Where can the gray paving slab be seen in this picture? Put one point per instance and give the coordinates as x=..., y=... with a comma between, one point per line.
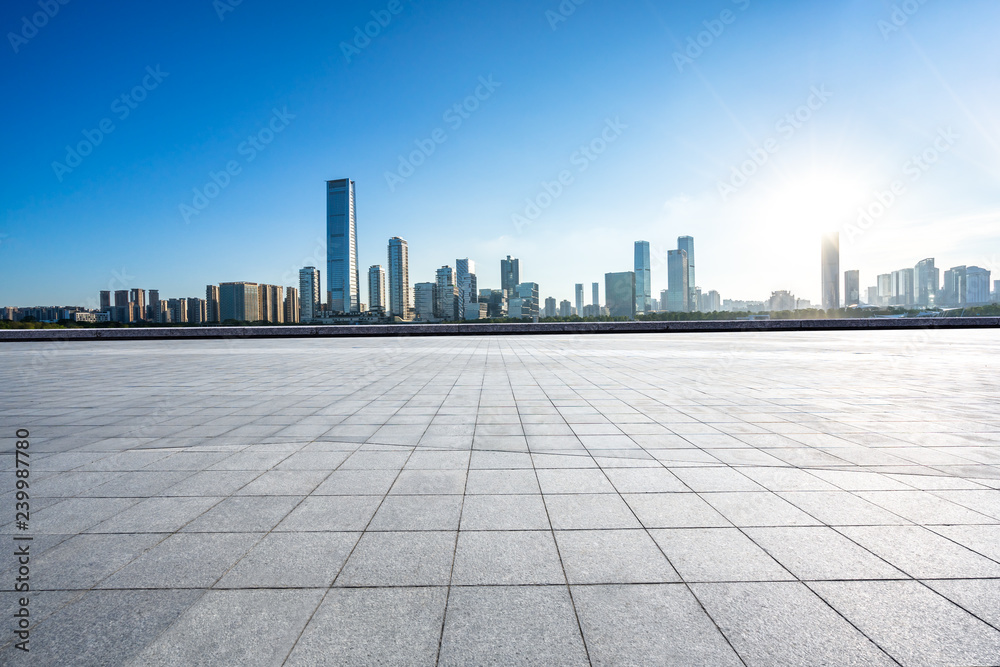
x=506, y=557
x=291, y=560
x=400, y=559
x=613, y=556
x=718, y=554
x=915, y=625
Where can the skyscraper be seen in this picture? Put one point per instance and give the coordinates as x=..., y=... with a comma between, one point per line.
x=424, y=300
x=446, y=295
x=211, y=303
x=619, y=292
x=927, y=280
x=686, y=243
x=977, y=282
x=154, y=306
x=550, y=307
x=831, y=270
x=595, y=289
x=884, y=284
x=643, y=277
x=579, y=299
x=510, y=275
x=376, y=288
x=852, y=288
x=465, y=280
x=678, y=273
x=105, y=300
x=291, y=305
x=399, y=279
x=238, y=301
x=955, y=287
x=343, y=282
x=138, y=304
x=309, y=294
x=564, y=308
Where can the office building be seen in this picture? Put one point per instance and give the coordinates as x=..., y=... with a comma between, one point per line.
x=105, y=300
x=496, y=302
x=446, y=294
x=595, y=295
x=162, y=313
x=476, y=311
x=376, y=289
x=271, y=303
x=292, y=311
x=643, y=276
x=565, y=308
x=872, y=296
x=852, y=288
x=831, y=271
x=977, y=285
x=524, y=303
x=902, y=288
x=711, y=302
x=465, y=281
x=782, y=300
x=343, y=283
x=510, y=275
x=578, y=294
x=197, y=310
x=695, y=300
x=239, y=301
x=619, y=293
x=678, y=273
x=955, y=288
x=927, y=283
x=884, y=284
x=211, y=303
x=425, y=301
x=309, y=294
x=686, y=243
x=138, y=302
x=550, y=307
x=400, y=303
x=178, y=310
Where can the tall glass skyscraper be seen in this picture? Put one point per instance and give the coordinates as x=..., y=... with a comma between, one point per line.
x=678, y=272
x=343, y=281
x=399, y=279
x=465, y=279
x=619, y=292
x=928, y=282
x=579, y=299
x=852, y=288
x=831, y=271
x=595, y=288
x=510, y=275
x=686, y=243
x=643, y=277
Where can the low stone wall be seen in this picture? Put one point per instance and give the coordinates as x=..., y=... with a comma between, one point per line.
x=506, y=329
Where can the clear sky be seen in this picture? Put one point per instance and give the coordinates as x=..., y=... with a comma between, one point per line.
x=665, y=119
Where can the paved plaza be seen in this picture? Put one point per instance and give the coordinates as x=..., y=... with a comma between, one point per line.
x=828, y=498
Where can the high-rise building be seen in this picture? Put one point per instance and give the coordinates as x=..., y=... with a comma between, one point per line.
x=619, y=293
x=927, y=282
x=105, y=300
x=678, y=273
x=309, y=294
x=595, y=295
x=196, y=310
x=524, y=303
x=178, y=310
x=291, y=305
x=153, y=308
x=446, y=294
x=271, y=303
x=476, y=311
x=239, y=301
x=162, y=313
x=138, y=300
x=782, y=300
x=550, y=307
x=465, y=280
x=955, y=289
x=977, y=281
x=376, y=289
x=831, y=271
x=425, y=301
x=565, y=308
x=510, y=275
x=686, y=243
x=884, y=283
x=211, y=303
x=399, y=279
x=996, y=291
x=872, y=295
x=643, y=277
x=579, y=298
x=902, y=288
x=852, y=288
x=343, y=281
x=712, y=302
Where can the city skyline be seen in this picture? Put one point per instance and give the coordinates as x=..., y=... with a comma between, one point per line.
x=837, y=123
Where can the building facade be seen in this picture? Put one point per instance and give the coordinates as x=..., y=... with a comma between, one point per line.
x=619, y=293
x=643, y=277
x=376, y=289
x=343, y=283
x=830, y=270
x=678, y=292
x=309, y=294
x=510, y=275
x=400, y=304
x=239, y=301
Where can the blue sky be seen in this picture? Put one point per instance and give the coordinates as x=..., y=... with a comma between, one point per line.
x=884, y=87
